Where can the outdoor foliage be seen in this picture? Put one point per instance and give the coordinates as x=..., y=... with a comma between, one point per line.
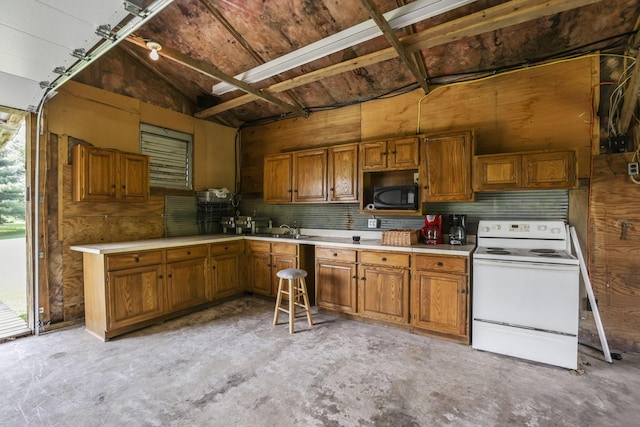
x=12, y=180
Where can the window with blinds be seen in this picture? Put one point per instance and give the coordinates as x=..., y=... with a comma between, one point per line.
x=169, y=154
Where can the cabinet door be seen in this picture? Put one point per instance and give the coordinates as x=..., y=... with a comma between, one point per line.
x=134, y=176
x=383, y=293
x=135, y=295
x=336, y=285
x=281, y=262
x=549, y=170
x=260, y=273
x=497, y=172
x=94, y=174
x=187, y=283
x=277, y=178
x=225, y=276
x=310, y=176
x=403, y=154
x=373, y=155
x=439, y=303
x=343, y=173
x=446, y=173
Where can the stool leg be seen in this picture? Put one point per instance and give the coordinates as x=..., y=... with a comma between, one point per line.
x=307, y=306
x=292, y=307
x=278, y=302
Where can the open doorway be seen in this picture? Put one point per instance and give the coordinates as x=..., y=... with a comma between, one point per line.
x=13, y=242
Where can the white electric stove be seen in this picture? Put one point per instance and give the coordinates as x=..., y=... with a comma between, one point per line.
x=526, y=291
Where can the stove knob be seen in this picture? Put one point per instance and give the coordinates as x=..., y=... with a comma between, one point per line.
x=486, y=229
x=555, y=231
x=542, y=227
x=497, y=227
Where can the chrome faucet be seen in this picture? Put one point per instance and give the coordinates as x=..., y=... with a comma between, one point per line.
x=291, y=230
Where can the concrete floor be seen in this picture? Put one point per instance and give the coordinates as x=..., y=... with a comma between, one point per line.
x=229, y=366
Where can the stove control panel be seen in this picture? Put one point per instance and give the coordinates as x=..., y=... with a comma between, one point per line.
x=520, y=228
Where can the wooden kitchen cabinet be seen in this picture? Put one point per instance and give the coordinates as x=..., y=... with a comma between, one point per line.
x=525, y=171
x=187, y=277
x=226, y=276
x=109, y=175
x=399, y=153
x=343, y=173
x=278, y=173
x=134, y=289
x=336, y=279
x=440, y=295
x=383, y=286
x=310, y=176
x=445, y=172
x=265, y=260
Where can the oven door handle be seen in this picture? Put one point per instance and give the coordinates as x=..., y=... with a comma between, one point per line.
x=523, y=264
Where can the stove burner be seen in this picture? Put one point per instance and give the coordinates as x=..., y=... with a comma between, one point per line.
x=550, y=255
x=543, y=251
x=495, y=249
x=497, y=252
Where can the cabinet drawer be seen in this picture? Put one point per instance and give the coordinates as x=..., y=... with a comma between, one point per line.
x=256, y=246
x=284, y=248
x=338, y=254
x=391, y=259
x=447, y=264
x=226, y=248
x=186, y=252
x=133, y=259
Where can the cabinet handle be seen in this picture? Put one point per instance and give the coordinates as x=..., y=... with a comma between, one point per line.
x=188, y=252
x=288, y=191
x=161, y=277
x=169, y=276
x=213, y=267
x=295, y=191
x=463, y=291
x=384, y=258
x=363, y=278
x=354, y=277
x=335, y=254
x=393, y=152
x=136, y=259
x=124, y=187
x=439, y=264
x=384, y=153
x=226, y=248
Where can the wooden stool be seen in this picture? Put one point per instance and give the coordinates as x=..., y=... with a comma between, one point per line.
x=296, y=292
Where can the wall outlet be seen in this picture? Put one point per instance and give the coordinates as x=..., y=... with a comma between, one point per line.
x=632, y=168
x=416, y=178
x=373, y=223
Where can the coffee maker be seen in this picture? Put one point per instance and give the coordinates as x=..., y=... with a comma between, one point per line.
x=457, y=231
x=432, y=230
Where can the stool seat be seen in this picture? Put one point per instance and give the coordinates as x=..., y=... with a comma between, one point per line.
x=291, y=273
x=295, y=292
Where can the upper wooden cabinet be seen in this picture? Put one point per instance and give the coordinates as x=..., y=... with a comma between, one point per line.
x=310, y=176
x=527, y=170
x=390, y=154
x=343, y=173
x=278, y=171
x=445, y=172
x=107, y=175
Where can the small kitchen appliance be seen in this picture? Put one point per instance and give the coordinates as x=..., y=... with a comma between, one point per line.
x=397, y=197
x=457, y=231
x=526, y=291
x=432, y=230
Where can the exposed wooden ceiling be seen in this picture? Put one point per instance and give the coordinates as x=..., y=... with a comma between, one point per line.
x=205, y=42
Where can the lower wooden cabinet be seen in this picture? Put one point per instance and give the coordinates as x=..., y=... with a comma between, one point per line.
x=440, y=295
x=336, y=279
x=226, y=277
x=265, y=259
x=383, y=286
x=187, y=277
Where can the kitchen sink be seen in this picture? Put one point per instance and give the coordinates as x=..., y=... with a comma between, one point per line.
x=290, y=236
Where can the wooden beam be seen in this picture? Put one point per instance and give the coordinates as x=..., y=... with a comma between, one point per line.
x=491, y=19
x=630, y=99
x=390, y=34
x=211, y=71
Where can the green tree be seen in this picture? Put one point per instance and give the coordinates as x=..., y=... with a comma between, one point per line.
x=12, y=179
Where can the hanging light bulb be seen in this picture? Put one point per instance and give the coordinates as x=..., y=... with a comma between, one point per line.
x=154, y=47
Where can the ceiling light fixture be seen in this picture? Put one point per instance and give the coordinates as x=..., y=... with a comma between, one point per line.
x=398, y=18
x=154, y=47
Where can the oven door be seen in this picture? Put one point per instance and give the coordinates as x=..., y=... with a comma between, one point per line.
x=536, y=296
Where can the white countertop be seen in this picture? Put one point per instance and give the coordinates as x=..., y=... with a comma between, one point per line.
x=318, y=237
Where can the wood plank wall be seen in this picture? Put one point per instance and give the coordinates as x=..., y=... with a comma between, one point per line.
x=614, y=259
x=546, y=107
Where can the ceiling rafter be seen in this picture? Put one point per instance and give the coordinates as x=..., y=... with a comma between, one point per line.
x=212, y=71
x=388, y=32
x=244, y=43
x=417, y=56
x=630, y=101
x=491, y=19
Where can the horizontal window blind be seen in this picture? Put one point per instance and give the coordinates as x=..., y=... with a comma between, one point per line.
x=169, y=156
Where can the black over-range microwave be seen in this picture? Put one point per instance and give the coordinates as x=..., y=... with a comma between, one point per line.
x=400, y=197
